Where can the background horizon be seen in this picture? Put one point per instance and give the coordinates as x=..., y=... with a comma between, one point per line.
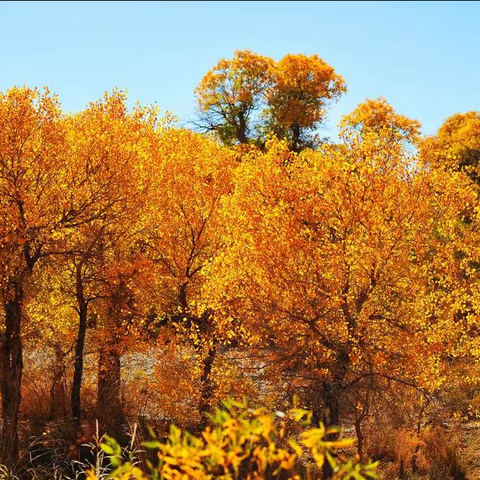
x=421, y=57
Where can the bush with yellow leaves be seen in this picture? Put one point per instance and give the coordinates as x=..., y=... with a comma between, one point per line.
x=244, y=443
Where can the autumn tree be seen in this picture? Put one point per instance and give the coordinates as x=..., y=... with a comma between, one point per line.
x=49, y=332
x=347, y=275
x=456, y=146
x=302, y=89
x=379, y=118
x=107, y=149
x=332, y=259
x=251, y=96
x=230, y=96
x=32, y=204
x=192, y=174
x=120, y=318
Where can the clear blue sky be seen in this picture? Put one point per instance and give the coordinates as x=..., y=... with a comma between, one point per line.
x=423, y=57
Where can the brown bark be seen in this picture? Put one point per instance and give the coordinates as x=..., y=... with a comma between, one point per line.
x=359, y=433
x=11, y=352
x=58, y=404
x=241, y=128
x=207, y=385
x=79, y=346
x=295, y=129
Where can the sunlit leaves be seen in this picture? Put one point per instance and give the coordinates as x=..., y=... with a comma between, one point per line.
x=247, y=443
x=246, y=98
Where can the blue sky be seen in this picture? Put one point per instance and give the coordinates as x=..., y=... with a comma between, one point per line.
x=423, y=57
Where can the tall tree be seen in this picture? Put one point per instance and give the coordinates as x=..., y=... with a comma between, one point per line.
x=192, y=175
x=379, y=118
x=33, y=212
x=246, y=98
x=456, y=146
x=332, y=259
x=298, y=98
x=230, y=95
x=107, y=149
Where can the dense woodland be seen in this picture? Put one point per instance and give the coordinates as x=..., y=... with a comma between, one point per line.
x=149, y=272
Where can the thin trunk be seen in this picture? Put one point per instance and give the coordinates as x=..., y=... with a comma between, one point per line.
x=207, y=385
x=58, y=404
x=416, y=449
x=331, y=417
x=79, y=346
x=358, y=431
x=11, y=377
x=360, y=415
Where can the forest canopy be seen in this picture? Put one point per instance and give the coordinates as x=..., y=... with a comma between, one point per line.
x=148, y=272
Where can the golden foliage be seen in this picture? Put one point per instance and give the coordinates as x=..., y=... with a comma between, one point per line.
x=248, y=444
x=262, y=269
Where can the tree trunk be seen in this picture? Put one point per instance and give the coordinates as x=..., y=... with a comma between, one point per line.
x=109, y=402
x=332, y=391
x=360, y=415
x=79, y=347
x=241, y=128
x=78, y=365
x=295, y=129
x=11, y=377
x=416, y=449
x=331, y=398
x=358, y=431
x=58, y=403
x=207, y=386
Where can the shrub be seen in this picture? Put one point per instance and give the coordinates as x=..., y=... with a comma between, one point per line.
x=243, y=443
